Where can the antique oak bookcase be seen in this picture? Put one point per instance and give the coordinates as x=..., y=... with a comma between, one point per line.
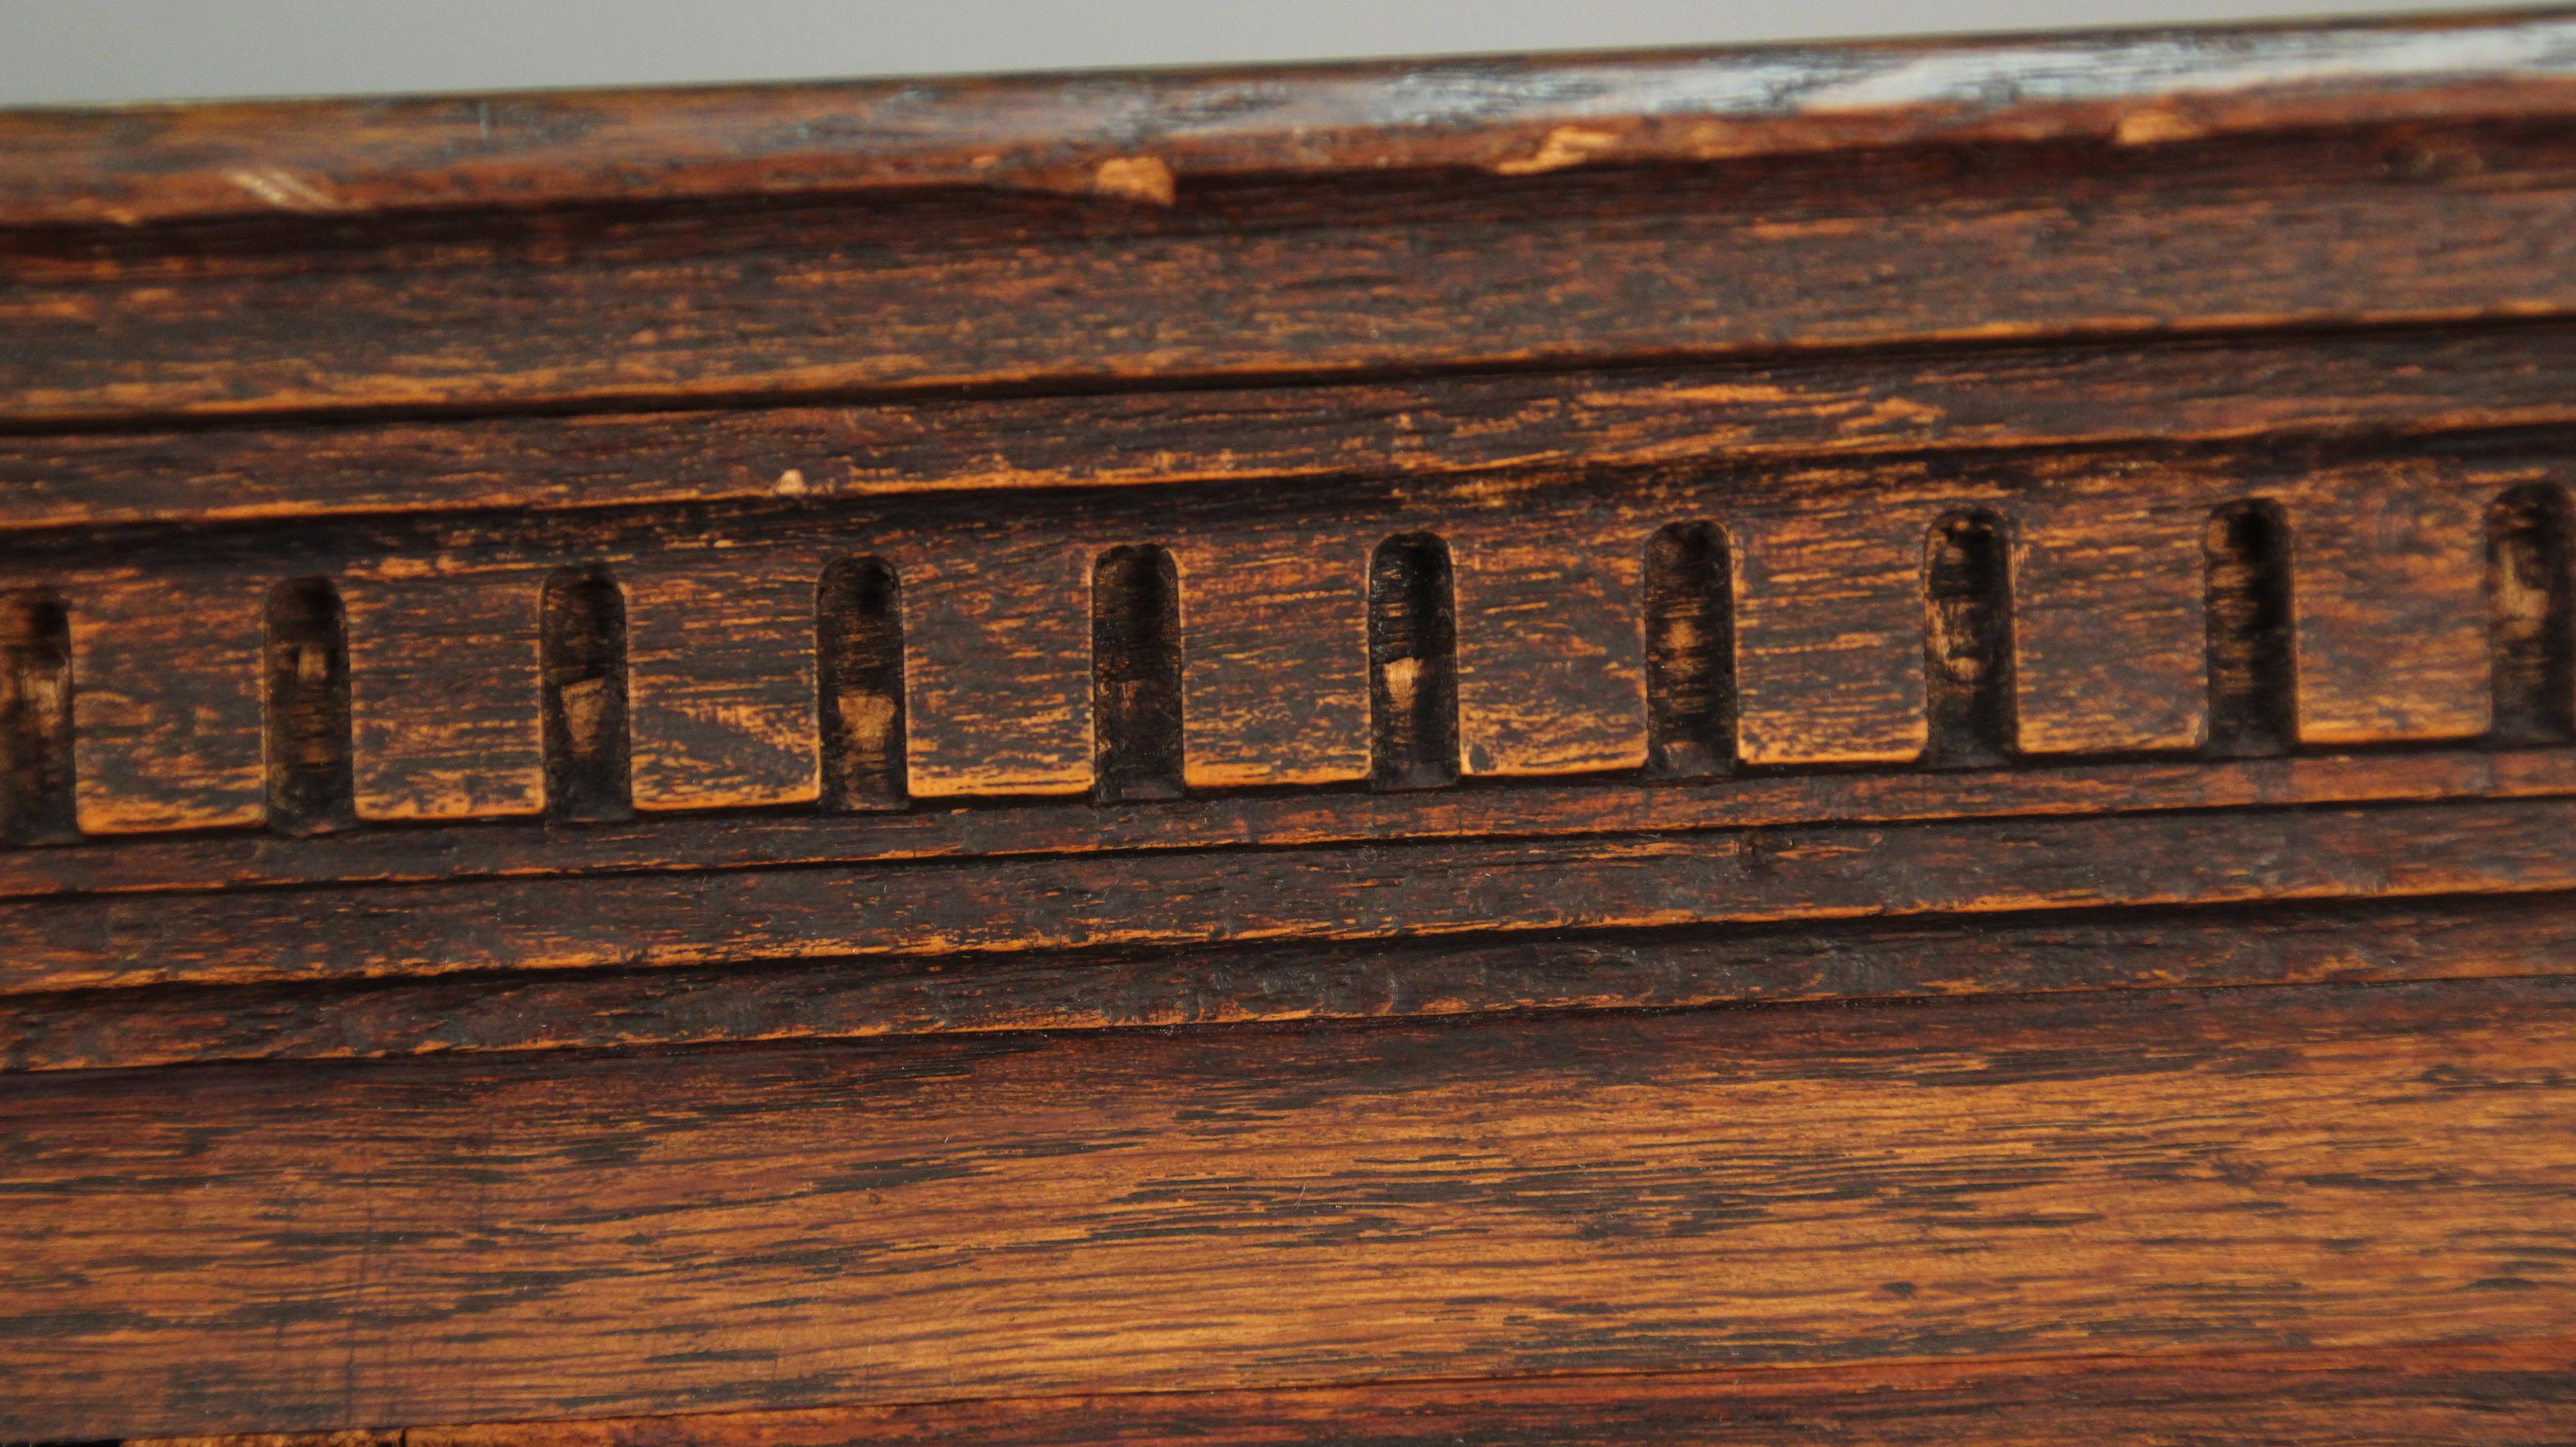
x=1847, y=744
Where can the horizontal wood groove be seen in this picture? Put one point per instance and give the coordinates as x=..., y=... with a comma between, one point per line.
x=1570, y=271
x=1138, y=135
x=681, y=843
x=2213, y=947
x=2340, y=1169
x=1352, y=892
x=2485, y=1395
x=2364, y=381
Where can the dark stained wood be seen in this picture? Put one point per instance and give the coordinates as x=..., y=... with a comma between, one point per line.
x=2252, y=652
x=304, y=708
x=483, y=851
x=1968, y=688
x=36, y=728
x=166, y=687
x=2171, y=1172
x=859, y=692
x=2229, y=945
x=444, y=692
x=1974, y=397
x=1274, y=646
x=2471, y=1396
x=722, y=655
x=1858, y=743
x=2369, y=571
x=1351, y=892
x=1570, y=269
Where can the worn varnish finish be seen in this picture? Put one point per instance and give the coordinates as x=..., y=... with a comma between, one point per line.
x=2251, y=1170
x=2478, y=1395
x=1851, y=743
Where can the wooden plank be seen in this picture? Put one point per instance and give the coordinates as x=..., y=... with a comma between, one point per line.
x=2389, y=585
x=443, y=692
x=1986, y=397
x=130, y=165
x=1354, y=892
x=1275, y=648
x=2435, y=1396
x=722, y=677
x=1550, y=665
x=166, y=700
x=1563, y=267
x=495, y=1239
x=2233, y=946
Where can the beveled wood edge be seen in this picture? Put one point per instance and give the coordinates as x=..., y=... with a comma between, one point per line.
x=1134, y=136
x=1761, y=1404
x=2163, y=392
x=1836, y=963
x=1574, y=807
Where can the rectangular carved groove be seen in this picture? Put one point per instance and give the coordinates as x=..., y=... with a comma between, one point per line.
x=36, y=800
x=858, y=641
x=1136, y=675
x=1690, y=652
x=306, y=709
x=2531, y=616
x=1413, y=665
x=2250, y=624
x=1967, y=643
x=581, y=631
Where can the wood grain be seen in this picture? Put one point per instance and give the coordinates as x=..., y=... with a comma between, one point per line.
x=2055, y=977
x=2402, y=381
x=1563, y=269
x=166, y=701
x=1550, y=663
x=2471, y=1396
x=1539, y=809
x=2090, y=570
x=2217, y=946
x=443, y=692
x=721, y=644
x=2388, y=568
x=1353, y=892
x=494, y=1239
x=1275, y=654
x=2391, y=605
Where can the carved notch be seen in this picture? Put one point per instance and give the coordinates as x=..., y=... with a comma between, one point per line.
x=2251, y=632
x=581, y=629
x=858, y=704
x=36, y=801
x=2531, y=617
x=1967, y=643
x=305, y=697
x=1136, y=675
x=1413, y=664
x=1690, y=653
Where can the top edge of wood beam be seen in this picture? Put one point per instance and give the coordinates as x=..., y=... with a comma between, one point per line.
x=1137, y=135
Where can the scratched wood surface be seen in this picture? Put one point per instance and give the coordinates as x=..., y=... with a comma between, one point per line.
x=2344, y=1167
x=1857, y=743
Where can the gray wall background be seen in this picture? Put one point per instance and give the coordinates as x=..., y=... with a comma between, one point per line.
x=58, y=52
